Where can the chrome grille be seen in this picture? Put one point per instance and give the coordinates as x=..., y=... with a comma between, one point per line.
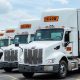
x=16, y=55
x=33, y=56
x=6, y=55
x=10, y=55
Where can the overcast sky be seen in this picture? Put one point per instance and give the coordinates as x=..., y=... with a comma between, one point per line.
x=14, y=11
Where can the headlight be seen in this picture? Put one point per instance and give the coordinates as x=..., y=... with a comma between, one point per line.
x=51, y=60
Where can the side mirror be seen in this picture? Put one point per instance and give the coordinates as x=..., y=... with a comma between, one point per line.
x=17, y=45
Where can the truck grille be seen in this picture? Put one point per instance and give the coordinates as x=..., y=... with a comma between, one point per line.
x=10, y=55
x=33, y=56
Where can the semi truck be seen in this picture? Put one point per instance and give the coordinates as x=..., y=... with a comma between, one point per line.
x=6, y=40
x=25, y=35
x=56, y=47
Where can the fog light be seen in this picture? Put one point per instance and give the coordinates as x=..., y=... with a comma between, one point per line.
x=48, y=68
x=51, y=60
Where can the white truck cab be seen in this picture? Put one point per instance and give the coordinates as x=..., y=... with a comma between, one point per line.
x=56, y=46
x=25, y=35
x=6, y=39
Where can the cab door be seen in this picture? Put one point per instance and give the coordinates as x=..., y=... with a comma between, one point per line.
x=68, y=45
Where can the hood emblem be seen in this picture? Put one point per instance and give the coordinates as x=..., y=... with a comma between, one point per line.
x=33, y=48
x=11, y=49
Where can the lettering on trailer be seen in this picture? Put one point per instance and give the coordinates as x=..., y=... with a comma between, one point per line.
x=10, y=31
x=51, y=19
x=1, y=34
x=24, y=26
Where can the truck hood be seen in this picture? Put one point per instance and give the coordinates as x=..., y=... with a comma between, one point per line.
x=42, y=44
x=14, y=47
x=3, y=48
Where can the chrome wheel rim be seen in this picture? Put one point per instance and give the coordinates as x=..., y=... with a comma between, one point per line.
x=62, y=69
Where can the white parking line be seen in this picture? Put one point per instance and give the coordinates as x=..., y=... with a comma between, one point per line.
x=13, y=78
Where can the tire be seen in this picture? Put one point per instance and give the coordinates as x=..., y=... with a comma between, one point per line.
x=62, y=69
x=7, y=69
x=28, y=75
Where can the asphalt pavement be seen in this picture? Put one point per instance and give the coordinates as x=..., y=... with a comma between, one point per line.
x=15, y=75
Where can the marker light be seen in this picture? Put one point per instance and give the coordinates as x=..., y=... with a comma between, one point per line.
x=1, y=34
x=24, y=26
x=68, y=48
x=10, y=31
x=51, y=19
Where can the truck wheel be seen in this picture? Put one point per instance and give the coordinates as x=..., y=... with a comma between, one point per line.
x=7, y=69
x=28, y=75
x=62, y=69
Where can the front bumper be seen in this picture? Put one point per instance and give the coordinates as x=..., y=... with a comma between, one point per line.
x=8, y=65
x=37, y=69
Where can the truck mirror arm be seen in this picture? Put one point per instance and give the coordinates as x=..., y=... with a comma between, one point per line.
x=21, y=48
x=17, y=45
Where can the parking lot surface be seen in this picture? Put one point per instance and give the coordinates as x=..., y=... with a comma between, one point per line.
x=15, y=75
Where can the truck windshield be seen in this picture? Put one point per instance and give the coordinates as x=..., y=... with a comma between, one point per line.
x=4, y=42
x=49, y=34
x=21, y=39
